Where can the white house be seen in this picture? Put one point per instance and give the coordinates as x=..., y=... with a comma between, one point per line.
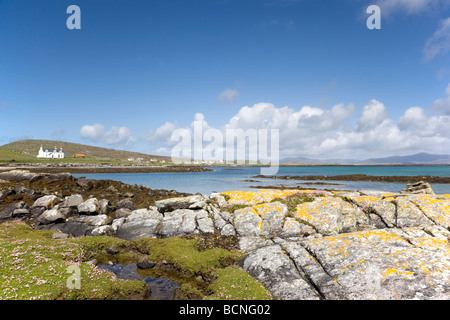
x=51, y=154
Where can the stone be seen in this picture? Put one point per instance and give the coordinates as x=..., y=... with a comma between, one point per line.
x=51, y=215
x=190, y=202
x=204, y=222
x=73, y=200
x=46, y=201
x=26, y=175
x=102, y=231
x=125, y=203
x=145, y=264
x=141, y=223
x=273, y=268
x=17, y=213
x=420, y=187
x=104, y=206
x=90, y=206
x=122, y=213
x=172, y=222
x=97, y=220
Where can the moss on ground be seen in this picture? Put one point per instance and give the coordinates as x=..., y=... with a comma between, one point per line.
x=33, y=265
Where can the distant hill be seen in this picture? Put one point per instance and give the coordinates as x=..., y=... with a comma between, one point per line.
x=28, y=149
x=418, y=158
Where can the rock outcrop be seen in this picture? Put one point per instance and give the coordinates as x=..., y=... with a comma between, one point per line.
x=301, y=244
x=420, y=187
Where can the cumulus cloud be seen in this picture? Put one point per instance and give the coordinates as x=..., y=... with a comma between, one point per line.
x=342, y=131
x=161, y=134
x=442, y=105
x=439, y=43
x=115, y=136
x=228, y=96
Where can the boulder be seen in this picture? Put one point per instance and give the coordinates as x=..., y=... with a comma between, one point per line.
x=89, y=206
x=146, y=264
x=190, y=202
x=204, y=223
x=46, y=201
x=51, y=215
x=420, y=187
x=18, y=213
x=125, y=203
x=73, y=200
x=122, y=213
x=104, y=206
x=140, y=223
x=26, y=175
x=97, y=220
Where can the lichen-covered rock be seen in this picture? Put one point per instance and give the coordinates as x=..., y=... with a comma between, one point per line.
x=435, y=208
x=271, y=266
x=247, y=222
x=331, y=215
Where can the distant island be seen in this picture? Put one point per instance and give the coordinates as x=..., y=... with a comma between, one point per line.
x=422, y=158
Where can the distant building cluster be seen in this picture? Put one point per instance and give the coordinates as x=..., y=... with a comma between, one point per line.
x=51, y=153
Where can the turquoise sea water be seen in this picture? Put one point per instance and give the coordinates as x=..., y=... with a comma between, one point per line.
x=226, y=179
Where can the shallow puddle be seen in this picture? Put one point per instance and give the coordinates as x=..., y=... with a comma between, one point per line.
x=161, y=288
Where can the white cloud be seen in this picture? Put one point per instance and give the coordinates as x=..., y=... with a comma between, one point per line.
x=161, y=134
x=442, y=105
x=228, y=96
x=439, y=43
x=405, y=6
x=330, y=133
x=115, y=136
x=373, y=114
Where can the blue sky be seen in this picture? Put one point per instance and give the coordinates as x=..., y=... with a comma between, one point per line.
x=136, y=70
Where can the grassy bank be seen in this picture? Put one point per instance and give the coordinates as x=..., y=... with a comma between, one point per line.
x=33, y=265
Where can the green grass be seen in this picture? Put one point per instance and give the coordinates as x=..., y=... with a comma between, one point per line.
x=25, y=151
x=235, y=284
x=182, y=253
x=34, y=266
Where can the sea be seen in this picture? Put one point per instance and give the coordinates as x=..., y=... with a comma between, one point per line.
x=222, y=179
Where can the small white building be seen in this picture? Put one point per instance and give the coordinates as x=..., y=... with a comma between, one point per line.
x=51, y=153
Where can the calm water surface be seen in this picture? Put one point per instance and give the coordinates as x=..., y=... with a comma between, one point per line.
x=226, y=179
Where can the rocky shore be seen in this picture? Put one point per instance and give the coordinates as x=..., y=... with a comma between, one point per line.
x=100, y=168
x=300, y=244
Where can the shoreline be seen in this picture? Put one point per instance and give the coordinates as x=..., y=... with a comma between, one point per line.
x=279, y=235
x=362, y=177
x=52, y=168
